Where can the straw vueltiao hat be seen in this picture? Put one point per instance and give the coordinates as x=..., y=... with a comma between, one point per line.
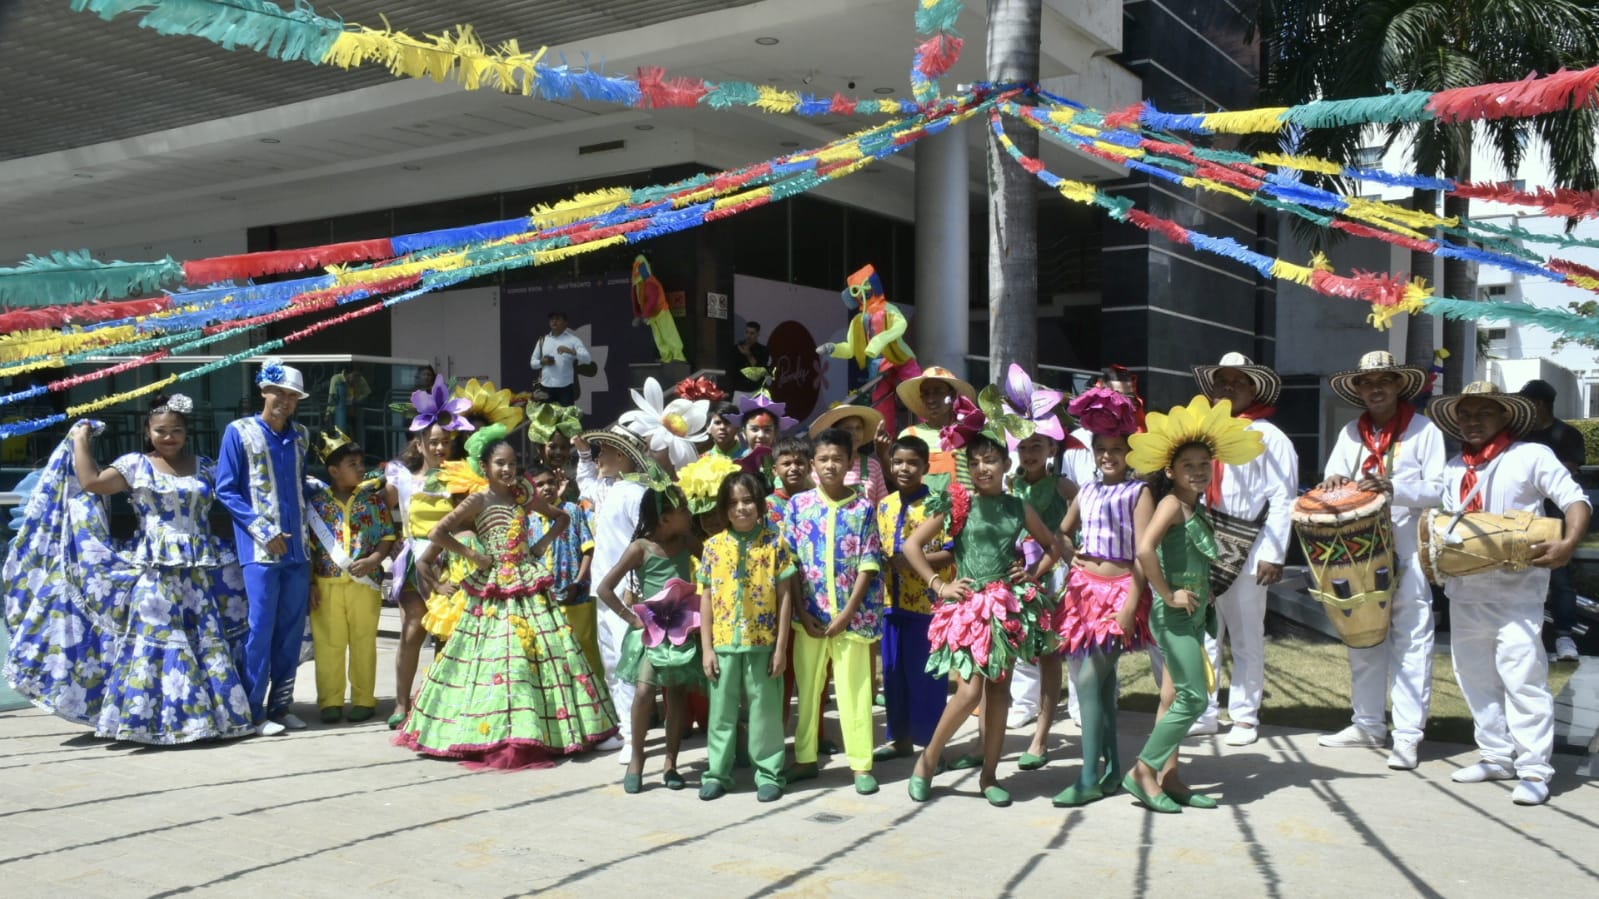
x=623, y=441
x=833, y=416
x=1268, y=385
x=1412, y=379
x=1445, y=410
x=910, y=392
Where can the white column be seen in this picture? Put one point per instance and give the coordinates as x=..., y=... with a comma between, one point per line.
x=942, y=321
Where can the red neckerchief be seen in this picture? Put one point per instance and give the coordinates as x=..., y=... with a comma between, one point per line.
x=1073, y=443
x=1475, y=460
x=1378, y=443
x=1213, y=492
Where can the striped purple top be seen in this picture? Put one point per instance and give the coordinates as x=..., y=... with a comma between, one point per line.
x=1107, y=512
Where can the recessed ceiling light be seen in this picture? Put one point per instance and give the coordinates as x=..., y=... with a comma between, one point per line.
x=270, y=140
x=644, y=127
x=882, y=90
x=766, y=41
x=82, y=175
x=411, y=168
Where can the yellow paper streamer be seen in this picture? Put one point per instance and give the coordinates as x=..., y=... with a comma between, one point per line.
x=1247, y=121
x=774, y=100
x=439, y=57
x=27, y=344
x=1302, y=163
x=106, y=402
x=581, y=206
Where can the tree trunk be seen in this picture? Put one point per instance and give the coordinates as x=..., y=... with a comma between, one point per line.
x=1418, y=337
x=1460, y=337
x=1013, y=39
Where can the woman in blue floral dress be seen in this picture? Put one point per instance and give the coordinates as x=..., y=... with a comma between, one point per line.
x=128, y=640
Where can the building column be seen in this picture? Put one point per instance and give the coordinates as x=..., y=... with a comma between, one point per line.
x=942, y=319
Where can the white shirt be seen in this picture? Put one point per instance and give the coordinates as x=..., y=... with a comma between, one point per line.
x=1523, y=476
x=1269, y=482
x=1079, y=464
x=1416, y=471
x=563, y=371
x=616, y=504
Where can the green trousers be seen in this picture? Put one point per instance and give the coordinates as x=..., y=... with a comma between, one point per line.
x=1182, y=639
x=746, y=676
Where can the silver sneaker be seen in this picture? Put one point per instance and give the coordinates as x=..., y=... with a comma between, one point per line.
x=1566, y=649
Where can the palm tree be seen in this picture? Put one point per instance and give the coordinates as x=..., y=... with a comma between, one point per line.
x=1337, y=49
x=1013, y=39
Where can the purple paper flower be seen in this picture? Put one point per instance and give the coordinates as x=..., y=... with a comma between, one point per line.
x=763, y=402
x=1104, y=411
x=968, y=422
x=437, y=407
x=1034, y=402
x=671, y=615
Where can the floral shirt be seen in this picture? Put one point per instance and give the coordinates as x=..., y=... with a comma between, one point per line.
x=564, y=557
x=832, y=542
x=361, y=524
x=776, y=505
x=740, y=574
x=896, y=519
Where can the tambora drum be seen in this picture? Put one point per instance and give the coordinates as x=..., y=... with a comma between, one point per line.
x=1480, y=542
x=1348, y=540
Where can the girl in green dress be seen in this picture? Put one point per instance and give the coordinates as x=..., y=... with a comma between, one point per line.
x=662, y=552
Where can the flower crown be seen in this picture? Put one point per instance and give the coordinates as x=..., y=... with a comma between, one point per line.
x=702, y=479
x=1230, y=440
x=178, y=403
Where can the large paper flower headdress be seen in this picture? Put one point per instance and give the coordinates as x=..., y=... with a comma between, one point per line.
x=1022, y=408
x=670, y=427
x=1230, y=440
x=436, y=407
x=1105, y=412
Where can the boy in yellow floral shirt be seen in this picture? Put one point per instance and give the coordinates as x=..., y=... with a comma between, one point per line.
x=915, y=699
x=746, y=583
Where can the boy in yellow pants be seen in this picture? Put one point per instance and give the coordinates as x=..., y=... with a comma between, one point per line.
x=352, y=533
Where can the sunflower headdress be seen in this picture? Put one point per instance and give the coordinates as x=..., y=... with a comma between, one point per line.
x=490, y=404
x=1230, y=440
x=702, y=479
x=463, y=476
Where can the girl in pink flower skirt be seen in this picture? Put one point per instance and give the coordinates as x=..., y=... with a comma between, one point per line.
x=977, y=625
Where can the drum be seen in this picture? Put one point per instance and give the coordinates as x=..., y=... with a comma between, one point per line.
x=1480, y=542
x=1348, y=540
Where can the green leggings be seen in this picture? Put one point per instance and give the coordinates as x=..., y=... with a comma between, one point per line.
x=1096, y=699
x=1182, y=639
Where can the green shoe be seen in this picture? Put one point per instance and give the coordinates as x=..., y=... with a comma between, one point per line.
x=880, y=700
x=359, y=713
x=996, y=796
x=395, y=720
x=1076, y=795
x=966, y=763
x=332, y=714
x=920, y=788
x=632, y=783
x=1159, y=802
x=795, y=773
x=826, y=747
x=673, y=780
x=888, y=752
x=1195, y=800
x=712, y=790
x=865, y=784
x=1030, y=762
x=763, y=793
x=1111, y=783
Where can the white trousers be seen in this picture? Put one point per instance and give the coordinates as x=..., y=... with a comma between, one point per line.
x=613, y=629
x=1399, y=667
x=1241, y=613
x=1025, y=688
x=1497, y=648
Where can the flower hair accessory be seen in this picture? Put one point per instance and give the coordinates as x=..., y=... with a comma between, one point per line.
x=699, y=389
x=489, y=404
x=545, y=420
x=437, y=407
x=272, y=372
x=1230, y=440
x=670, y=426
x=1022, y=408
x=1105, y=412
x=967, y=422
x=702, y=479
x=178, y=403
x=759, y=402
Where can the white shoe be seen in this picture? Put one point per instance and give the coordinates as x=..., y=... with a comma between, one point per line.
x=1019, y=718
x=1403, y=758
x=1566, y=649
x=1204, y=727
x=1351, y=737
x=270, y=729
x=1480, y=772
x=1530, y=791
x=290, y=721
x=610, y=744
x=1242, y=736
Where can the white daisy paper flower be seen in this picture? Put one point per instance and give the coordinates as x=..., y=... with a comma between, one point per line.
x=673, y=427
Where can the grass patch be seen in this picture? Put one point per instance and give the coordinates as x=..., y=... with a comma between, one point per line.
x=1307, y=686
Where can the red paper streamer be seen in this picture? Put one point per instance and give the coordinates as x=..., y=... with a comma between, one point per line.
x=843, y=105
x=1403, y=240
x=1379, y=289
x=1557, y=201
x=198, y=272
x=1518, y=99
x=50, y=317
x=130, y=365
x=939, y=53
x=1124, y=118
x=1165, y=227
x=662, y=93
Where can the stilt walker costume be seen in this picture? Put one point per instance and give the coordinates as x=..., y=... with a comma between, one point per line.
x=1496, y=616
x=260, y=479
x=876, y=339
x=650, y=306
x=1404, y=454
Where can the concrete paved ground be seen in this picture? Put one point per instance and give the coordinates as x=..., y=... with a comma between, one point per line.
x=339, y=812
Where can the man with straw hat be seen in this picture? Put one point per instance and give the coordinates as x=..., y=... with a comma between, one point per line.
x=604, y=458
x=1497, y=616
x=260, y=479
x=1251, y=508
x=930, y=396
x=1391, y=449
